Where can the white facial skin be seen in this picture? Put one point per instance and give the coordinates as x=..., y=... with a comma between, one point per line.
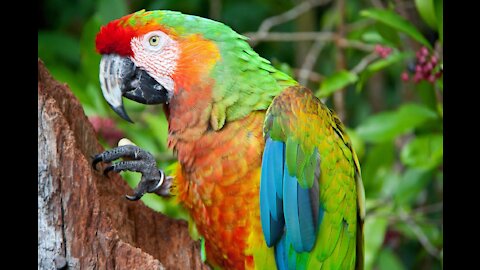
x=156, y=53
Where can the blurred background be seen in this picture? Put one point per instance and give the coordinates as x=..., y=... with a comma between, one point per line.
x=377, y=63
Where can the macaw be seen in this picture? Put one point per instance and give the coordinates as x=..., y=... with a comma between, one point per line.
x=265, y=169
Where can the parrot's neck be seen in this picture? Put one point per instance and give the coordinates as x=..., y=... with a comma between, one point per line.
x=191, y=116
x=188, y=114
x=207, y=101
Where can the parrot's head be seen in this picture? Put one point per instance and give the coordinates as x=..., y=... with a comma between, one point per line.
x=150, y=56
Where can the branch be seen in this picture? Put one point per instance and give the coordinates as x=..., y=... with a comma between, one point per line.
x=429, y=208
x=377, y=4
x=313, y=76
x=289, y=15
x=286, y=36
x=310, y=61
x=324, y=36
x=422, y=238
x=215, y=8
x=422, y=210
x=358, y=25
x=341, y=64
x=369, y=58
x=410, y=222
x=354, y=44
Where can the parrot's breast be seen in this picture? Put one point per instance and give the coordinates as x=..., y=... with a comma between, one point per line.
x=218, y=183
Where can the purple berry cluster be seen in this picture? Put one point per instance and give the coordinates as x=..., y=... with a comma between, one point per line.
x=426, y=67
x=382, y=51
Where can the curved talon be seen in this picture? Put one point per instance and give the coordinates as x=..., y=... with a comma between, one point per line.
x=108, y=169
x=159, y=184
x=135, y=197
x=96, y=160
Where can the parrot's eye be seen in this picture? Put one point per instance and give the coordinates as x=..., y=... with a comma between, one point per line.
x=154, y=40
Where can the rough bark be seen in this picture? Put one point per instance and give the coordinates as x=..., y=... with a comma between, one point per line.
x=84, y=220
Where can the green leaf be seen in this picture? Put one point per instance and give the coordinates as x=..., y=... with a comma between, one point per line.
x=386, y=126
x=412, y=183
x=336, y=82
x=390, y=182
x=431, y=230
x=387, y=260
x=396, y=21
x=375, y=228
x=426, y=92
x=424, y=151
x=374, y=37
x=377, y=167
x=393, y=58
x=427, y=11
x=391, y=35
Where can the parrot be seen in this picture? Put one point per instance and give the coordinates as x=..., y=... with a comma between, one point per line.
x=264, y=168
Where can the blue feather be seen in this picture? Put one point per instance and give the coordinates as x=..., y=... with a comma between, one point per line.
x=299, y=222
x=281, y=259
x=290, y=206
x=272, y=165
x=271, y=208
x=290, y=215
x=305, y=216
x=272, y=229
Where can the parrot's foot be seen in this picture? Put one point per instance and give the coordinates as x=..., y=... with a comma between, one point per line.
x=153, y=180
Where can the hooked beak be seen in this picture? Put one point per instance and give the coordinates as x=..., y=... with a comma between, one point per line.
x=120, y=77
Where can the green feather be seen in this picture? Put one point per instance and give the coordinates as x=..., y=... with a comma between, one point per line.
x=291, y=155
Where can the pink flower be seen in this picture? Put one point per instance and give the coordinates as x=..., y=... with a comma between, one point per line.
x=106, y=129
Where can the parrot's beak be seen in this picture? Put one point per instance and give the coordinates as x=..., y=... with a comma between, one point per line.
x=120, y=77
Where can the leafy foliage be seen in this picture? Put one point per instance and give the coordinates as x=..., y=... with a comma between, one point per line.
x=336, y=82
x=395, y=123
x=397, y=22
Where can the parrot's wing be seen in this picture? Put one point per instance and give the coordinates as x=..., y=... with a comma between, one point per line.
x=311, y=192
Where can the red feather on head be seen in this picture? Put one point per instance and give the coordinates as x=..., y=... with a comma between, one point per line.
x=115, y=38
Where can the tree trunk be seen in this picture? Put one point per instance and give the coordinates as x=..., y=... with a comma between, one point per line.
x=84, y=220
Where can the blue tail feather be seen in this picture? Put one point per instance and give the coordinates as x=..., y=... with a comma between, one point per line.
x=271, y=207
